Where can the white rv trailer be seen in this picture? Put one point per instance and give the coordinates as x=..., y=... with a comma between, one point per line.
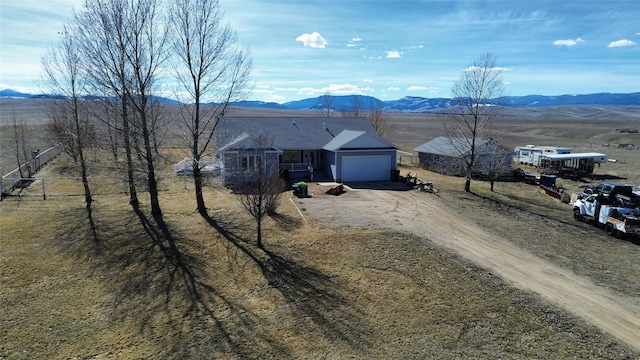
x=530, y=154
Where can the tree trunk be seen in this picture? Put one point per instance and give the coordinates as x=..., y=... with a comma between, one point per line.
x=151, y=173
x=133, y=195
x=85, y=182
x=197, y=178
x=467, y=185
x=83, y=164
x=259, y=240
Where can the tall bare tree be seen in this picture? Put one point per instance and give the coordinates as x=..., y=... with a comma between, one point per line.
x=102, y=28
x=474, y=114
x=124, y=42
x=213, y=71
x=69, y=118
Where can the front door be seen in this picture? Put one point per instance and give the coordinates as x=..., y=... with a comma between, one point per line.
x=311, y=157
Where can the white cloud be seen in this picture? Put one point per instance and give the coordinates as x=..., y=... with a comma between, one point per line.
x=286, y=89
x=276, y=98
x=621, y=43
x=347, y=89
x=392, y=54
x=309, y=91
x=259, y=90
x=477, y=68
x=431, y=89
x=335, y=89
x=393, y=88
x=568, y=42
x=353, y=42
x=368, y=80
x=314, y=40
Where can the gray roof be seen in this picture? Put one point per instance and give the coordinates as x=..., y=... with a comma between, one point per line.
x=247, y=142
x=443, y=145
x=287, y=133
x=350, y=136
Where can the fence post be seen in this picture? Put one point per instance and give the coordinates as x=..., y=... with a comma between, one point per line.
x=44, y=191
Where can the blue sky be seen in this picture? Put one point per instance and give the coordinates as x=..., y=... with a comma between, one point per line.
x=389, y=49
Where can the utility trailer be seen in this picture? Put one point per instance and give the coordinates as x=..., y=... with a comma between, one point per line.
x=570, y=165
x=618, y=212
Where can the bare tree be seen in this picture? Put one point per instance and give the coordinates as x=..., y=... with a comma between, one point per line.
x=124, y=43
x=21, y=147
x=146, y=54
x=498, y=162
x=103, y=35
x=64, y=75
x=260, y=198
x=327, y=104
x=210, y=67
x=260, y=187
x=474, y=113
x=378, y=118
x=356, y=109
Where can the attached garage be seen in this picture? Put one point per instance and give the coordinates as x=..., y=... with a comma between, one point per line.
x=366, y=167
x=360, y=156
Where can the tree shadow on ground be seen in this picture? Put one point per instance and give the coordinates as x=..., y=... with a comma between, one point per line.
x=286, y=222
x=159, y=280
x=311, y=294
x=156, y=278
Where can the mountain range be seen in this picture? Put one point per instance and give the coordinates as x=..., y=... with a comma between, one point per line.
x=408, y=103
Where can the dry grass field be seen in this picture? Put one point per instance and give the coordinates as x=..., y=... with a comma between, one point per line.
x=123, y=286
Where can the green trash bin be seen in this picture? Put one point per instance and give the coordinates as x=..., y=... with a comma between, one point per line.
x=300, y=189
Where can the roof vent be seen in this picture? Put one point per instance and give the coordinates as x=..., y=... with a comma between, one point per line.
x=293, y=121
x=324, y=124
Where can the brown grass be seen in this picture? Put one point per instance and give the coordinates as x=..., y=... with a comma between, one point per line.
x=123, y=292
x=127, y=287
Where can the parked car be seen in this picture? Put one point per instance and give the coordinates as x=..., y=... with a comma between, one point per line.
x=607, y=188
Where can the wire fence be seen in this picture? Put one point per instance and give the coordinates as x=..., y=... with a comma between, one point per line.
x=44, y=188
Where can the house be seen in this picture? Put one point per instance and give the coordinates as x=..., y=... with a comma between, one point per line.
x=338, y=149
x=446, y=155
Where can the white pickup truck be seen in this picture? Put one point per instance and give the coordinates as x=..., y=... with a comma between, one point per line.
x=616, y=212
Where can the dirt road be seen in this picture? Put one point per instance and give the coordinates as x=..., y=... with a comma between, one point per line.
x=427, y=216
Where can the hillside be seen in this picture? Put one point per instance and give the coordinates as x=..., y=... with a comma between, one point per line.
x=410, y=103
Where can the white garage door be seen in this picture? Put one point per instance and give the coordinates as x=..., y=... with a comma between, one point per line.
x=366, y=168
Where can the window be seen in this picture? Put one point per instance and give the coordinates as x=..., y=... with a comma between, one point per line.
x=291, y=156
x=251, y=162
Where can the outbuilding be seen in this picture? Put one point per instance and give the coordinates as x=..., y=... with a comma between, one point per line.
x=447, y=155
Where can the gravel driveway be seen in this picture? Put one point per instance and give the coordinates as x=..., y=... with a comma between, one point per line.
x=390, y=206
